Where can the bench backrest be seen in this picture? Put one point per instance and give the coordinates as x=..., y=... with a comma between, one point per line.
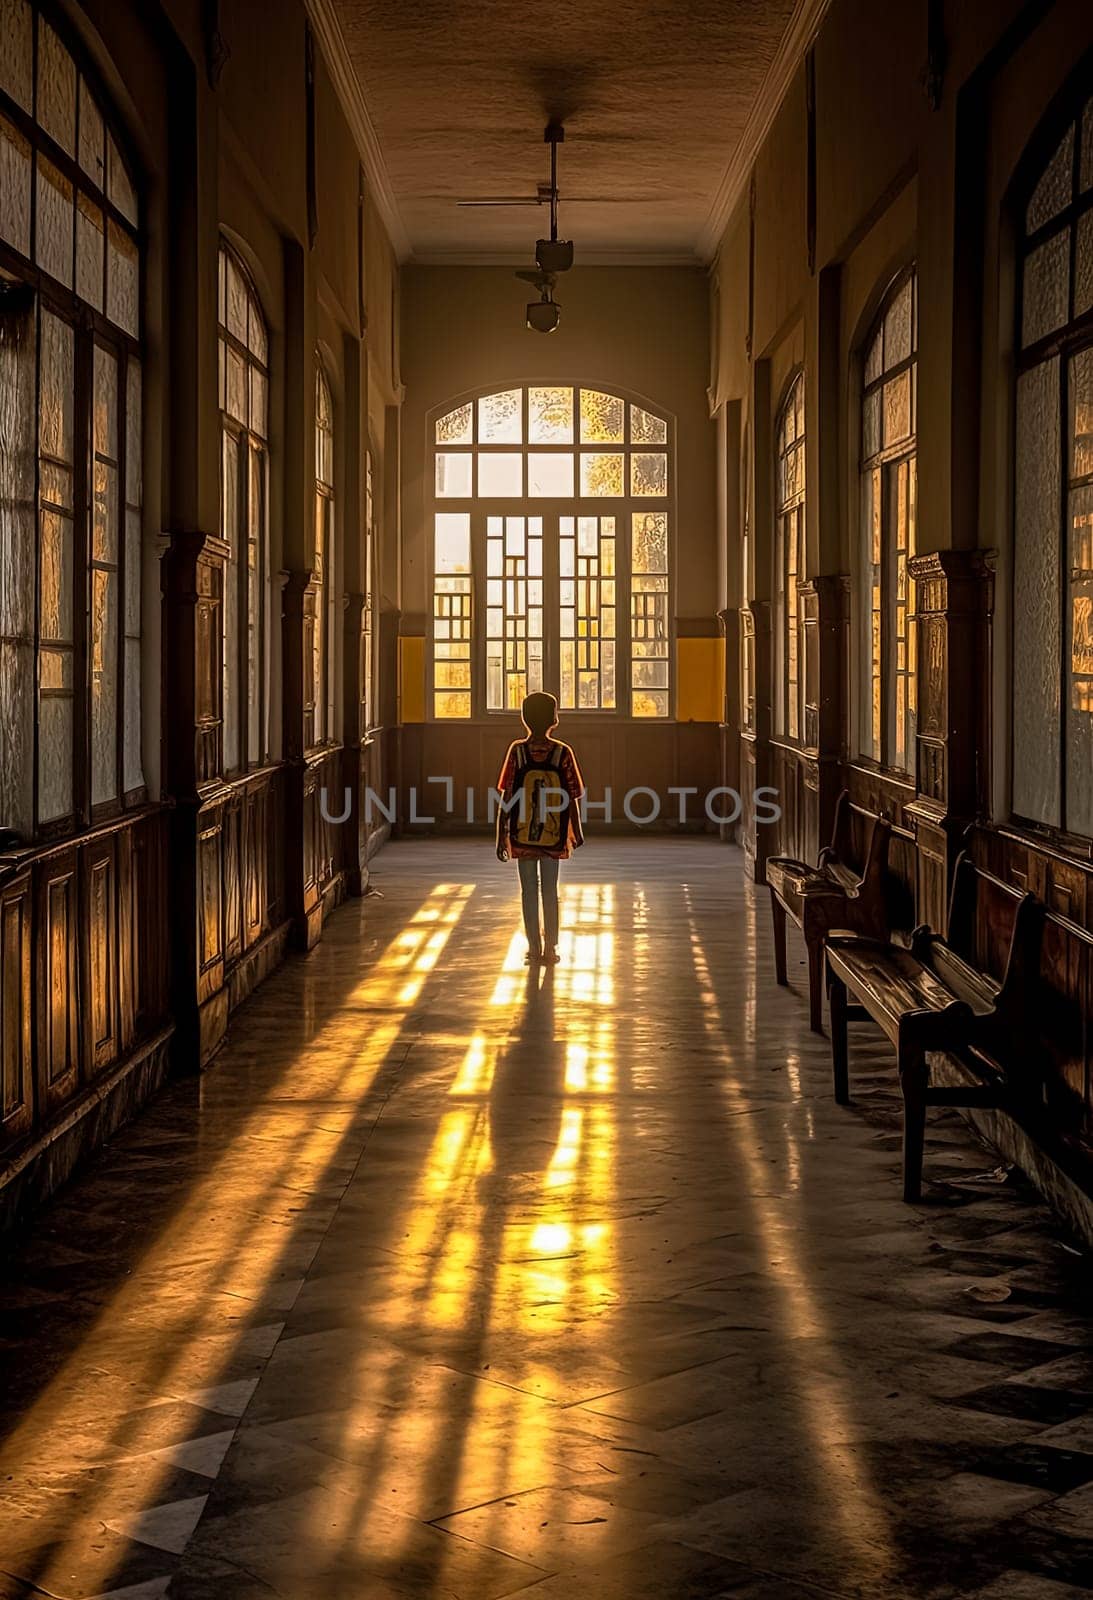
x=995, y=928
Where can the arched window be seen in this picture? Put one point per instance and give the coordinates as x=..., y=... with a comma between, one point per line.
x=1053, y=510
x=885, y=589
x=790, y=551
x=551, y=554
x=319, y=607
x=70, y=443
x=244, y=525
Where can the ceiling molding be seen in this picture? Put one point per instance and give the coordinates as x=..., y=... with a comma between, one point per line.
x=802, y=29
x=584, y=258
x=328, y=31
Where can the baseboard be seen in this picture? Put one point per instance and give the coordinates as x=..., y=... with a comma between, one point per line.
x=255, y=967
x=40, y=1168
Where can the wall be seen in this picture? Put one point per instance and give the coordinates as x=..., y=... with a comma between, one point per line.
x=644, y=330
x=897, y=142
x=169, y=913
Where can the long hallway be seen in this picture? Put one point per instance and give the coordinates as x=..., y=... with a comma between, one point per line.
x=451, y=1280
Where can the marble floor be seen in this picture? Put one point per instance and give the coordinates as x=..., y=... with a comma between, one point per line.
x=449, y=1280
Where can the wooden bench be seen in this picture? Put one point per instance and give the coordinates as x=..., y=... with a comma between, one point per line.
x=933, y=995
x=832, y=894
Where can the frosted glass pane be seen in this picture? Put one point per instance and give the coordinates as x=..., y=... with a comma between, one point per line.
x=56, y=389
x=92, y=138
x=17, y=536
x=17, y=576
x=103, y=653
x=550, y=476
x=1053, y=191
x=452, y=542
x=499, y=417
x=648, y=474
x=1037, y=622
x=601, y=418
x=53, y=245
x=897, y=328
x=133, y=765
x=132, y=572
x=118, y=185
x=645, y=428
x=14, y=187
x=257, y=337
x=873, y=358
x=236, y=384
x=17, y=56
x=649, y=550
x=56, y=107
x=550, y=416
x=1046, y=287
x=55, y=566
x=1086, y=176
x=453, y=474
x=897, y=409
x=16, y=735
x=457, y=426
x=501, y=474
x=54, y=757
x=1083, y=265
x=602, y=473
x=90, y=241
x=122, y=280
x=133, y=435
x=1080, y=389
x=236, y=301
x=259, y=406
x=1079, y=720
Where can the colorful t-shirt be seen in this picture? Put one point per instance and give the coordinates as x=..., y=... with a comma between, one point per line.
x=541, y=750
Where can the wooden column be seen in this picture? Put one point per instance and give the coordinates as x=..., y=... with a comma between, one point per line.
x=755, y=753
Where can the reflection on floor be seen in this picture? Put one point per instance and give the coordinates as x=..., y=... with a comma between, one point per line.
x=451, y=1280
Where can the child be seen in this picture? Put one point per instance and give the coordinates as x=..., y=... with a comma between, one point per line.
x=540, y=820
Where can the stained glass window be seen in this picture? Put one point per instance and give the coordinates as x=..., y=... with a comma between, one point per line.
x=1053, y=512
x=244, y=527
x=790, y=553
x=563, y=508
x=887, y=636
x=514, y=610
x=70, y=377
x=587, y=618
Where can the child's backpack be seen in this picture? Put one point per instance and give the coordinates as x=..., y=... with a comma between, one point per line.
x=540, y=816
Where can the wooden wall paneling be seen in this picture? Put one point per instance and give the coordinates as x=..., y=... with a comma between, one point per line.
x=128, y=924
x=16, y=1050
x=101, y=952
x=210, y=941
x=231, y=862
x=254, y=873
x=58, y=981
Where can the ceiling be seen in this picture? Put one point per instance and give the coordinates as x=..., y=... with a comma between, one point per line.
x=655, y=96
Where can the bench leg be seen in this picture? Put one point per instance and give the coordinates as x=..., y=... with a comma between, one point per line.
x=912, y=1081
x=816, y=986
x=839, y=1063
x=778, y=917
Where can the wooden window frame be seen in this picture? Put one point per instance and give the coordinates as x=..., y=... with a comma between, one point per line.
x=91, y=327
x=552, y=509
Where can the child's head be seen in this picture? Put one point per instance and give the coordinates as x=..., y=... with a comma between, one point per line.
x=540, y=714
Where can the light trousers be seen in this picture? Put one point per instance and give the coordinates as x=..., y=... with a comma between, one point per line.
x=535, y=873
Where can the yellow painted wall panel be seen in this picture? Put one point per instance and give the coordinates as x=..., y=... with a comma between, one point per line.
x=411, y=678
x=700, y=679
